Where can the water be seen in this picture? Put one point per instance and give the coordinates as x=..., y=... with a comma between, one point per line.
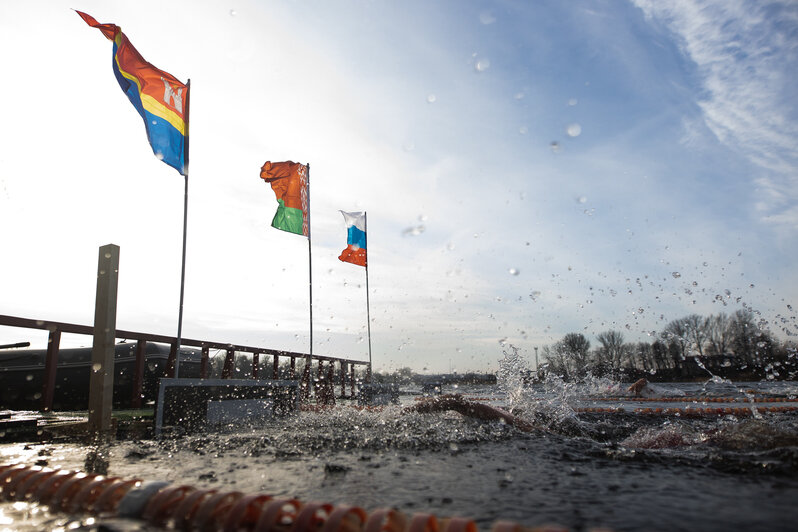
x=581, y=470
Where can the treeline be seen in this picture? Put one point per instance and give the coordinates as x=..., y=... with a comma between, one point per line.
x=408, y=376
x=242, y=369
x=730, y=346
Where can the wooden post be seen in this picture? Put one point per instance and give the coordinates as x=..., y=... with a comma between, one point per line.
x=138, y=374
x=293, y=368
x=255, y=360
x=343, y=380
x=50, y=369
x=206, y=355
x=101, y=385
x=276, y=367
x=304, y=385
x=229, y=362
x=352, y=380
x=171, y=361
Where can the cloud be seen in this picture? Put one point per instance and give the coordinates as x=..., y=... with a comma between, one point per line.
x=745, y=54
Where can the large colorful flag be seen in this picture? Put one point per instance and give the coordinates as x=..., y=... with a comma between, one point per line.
x=160, y=98
x=289, y=180
x=355, y=251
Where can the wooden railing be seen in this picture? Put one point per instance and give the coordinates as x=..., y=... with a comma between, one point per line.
x=56, y=328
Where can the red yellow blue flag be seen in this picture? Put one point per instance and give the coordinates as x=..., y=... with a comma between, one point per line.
x=355, y=251
x=160, y=98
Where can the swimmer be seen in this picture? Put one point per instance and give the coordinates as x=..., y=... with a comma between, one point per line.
x=638, y=387
x=468, y=408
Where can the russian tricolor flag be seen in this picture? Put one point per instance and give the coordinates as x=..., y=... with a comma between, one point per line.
x=355, y=251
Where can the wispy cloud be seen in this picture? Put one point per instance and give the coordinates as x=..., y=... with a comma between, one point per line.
x=745, y=55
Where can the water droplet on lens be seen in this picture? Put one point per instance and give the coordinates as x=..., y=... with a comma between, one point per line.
x=676, y=275
x=523, y=130
x=572, y=102
x=582, y=199
x=555, y=146
x=513, y=271
x=482, y=65
x=96, y=366
x=574, y=130
x=431, y=98
x=486, y=17
x=414, y=230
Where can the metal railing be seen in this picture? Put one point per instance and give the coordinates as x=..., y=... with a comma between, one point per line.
x=56, y=328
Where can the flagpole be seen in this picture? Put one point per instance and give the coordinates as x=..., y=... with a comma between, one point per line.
x=368, y=313
x=185, y=225
x=310, y=261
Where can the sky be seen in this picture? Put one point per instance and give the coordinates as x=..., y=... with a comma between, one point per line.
x=529, y=169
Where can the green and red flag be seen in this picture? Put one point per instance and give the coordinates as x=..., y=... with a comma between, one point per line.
x=289, y=180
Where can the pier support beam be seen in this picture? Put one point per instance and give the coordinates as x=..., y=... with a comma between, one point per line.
x=229, y=363
x=343, y=380
x=101, y=384
x=138, y=374
x=50, y=368
x=206, y=355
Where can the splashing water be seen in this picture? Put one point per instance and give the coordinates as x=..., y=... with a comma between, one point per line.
x=510, y=379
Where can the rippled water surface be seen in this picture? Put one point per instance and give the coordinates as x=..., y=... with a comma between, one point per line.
x=624, y=471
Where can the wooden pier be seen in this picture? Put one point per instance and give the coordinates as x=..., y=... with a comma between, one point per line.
x=55, y=329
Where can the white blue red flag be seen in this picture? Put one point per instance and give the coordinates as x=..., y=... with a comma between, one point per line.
x=355, y=251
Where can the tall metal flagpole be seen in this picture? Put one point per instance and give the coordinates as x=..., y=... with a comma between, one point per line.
x=185, y=224
x=368, y=313
x=310, y=260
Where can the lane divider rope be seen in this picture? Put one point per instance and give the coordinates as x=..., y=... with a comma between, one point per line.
x=691, y=411
x=183, y=507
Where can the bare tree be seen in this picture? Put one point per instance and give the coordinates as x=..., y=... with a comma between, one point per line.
x=743, y=337
x=675, y=334
x=659, y=351
x=719, y=333
x=577, y=349
x=644, y=354
x=613, y=351
x=696, y=332
x=557, y=361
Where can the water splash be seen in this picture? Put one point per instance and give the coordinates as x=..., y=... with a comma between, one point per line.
x=510, y=379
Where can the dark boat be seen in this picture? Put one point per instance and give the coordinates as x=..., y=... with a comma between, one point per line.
x=22, y=375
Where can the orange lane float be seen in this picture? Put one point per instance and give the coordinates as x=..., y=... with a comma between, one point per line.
x=691, y=411
x=183, y=507
x=696, y=399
